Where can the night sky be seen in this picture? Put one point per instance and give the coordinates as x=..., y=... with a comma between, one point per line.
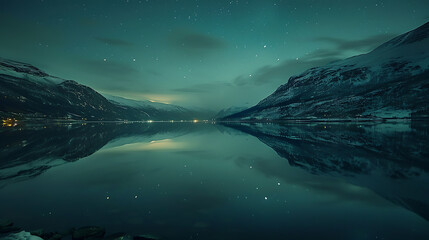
x=205, y=54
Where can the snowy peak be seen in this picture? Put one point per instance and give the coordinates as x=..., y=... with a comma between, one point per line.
x=20, y=67
x=14, y=70
x=390, y=82
x=417, y=35
x=30, y=93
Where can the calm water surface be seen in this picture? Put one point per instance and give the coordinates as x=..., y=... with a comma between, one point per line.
x=213, y=181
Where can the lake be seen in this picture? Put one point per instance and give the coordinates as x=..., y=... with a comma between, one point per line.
x=219, y=181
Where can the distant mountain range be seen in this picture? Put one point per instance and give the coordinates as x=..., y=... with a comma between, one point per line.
x=28, y=92
x=392, y=81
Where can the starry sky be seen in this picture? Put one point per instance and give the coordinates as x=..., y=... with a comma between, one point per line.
x=196, y=53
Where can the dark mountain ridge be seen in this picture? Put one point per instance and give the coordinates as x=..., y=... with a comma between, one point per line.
x=392, y=81
x=28, y=92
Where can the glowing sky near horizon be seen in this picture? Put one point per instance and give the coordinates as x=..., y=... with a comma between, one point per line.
x=206, y=54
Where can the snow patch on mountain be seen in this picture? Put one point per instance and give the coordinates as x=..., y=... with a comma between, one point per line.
x=30, y=93
x=392, y=81
x=18, y=70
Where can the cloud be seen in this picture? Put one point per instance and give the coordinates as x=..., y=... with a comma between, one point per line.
x=191, y=89
x=154, y=72
x=88, y=22
x=110, y=75
x=194, y=40
x=325, y=53
x=108, y=68
x=27, y=37
x=194, y=44
x=203, y=88
x=365, y=44
x=280, y=73
x=113, y=41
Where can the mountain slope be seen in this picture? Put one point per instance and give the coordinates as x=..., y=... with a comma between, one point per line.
x=154, y=110
x=392, y=81
x=28, y=92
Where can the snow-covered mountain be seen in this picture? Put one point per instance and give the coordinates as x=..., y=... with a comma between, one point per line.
x=28, y=92
x=392, y=81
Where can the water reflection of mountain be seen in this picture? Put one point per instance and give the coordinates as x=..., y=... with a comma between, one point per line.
x=390, y=159
x=30, y=150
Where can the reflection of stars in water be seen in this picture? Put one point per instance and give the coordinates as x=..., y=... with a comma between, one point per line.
x=45, y=214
